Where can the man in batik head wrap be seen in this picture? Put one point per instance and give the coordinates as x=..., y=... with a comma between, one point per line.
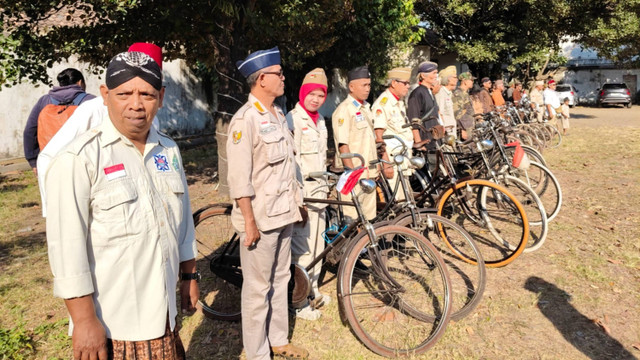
x=119, y=226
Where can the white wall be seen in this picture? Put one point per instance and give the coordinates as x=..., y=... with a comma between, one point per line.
x=185, y=110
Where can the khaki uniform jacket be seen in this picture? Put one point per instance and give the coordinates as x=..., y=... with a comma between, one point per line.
x=352, y=124
x=119, y=225
x=310, y=140
x=536, y=97
x=390, y=114
x=262, y=166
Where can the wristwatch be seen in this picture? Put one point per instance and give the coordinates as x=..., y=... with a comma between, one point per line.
x=191, y=276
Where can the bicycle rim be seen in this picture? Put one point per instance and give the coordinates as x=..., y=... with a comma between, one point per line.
x=219, y=289
x=491, y=215
x=389, y=321
x=533, y=207
x=546, y=186
x=468, y=279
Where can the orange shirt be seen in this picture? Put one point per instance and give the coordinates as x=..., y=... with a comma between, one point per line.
x=497, y=98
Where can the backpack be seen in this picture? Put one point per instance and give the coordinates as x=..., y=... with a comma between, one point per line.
x=53, y=116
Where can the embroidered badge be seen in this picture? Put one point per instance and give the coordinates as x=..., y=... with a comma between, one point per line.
x=176, y=163
x=258, y=106
x=359, y=116
x=356, y=103
x=305, y=130
x=383, y=101
x=378, y=112
x=237, y=135
x=266, y=130
x=161, y=162
x=340, y=122
x=114, y=172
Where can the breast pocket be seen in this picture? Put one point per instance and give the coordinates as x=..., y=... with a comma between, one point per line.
x=309, y=143
x=113, y=213
x=275, y=145
x=173, y=191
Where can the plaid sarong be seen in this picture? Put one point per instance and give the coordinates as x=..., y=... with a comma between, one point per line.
x=167, y=347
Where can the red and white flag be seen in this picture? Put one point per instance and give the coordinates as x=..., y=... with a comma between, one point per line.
x=114, y=172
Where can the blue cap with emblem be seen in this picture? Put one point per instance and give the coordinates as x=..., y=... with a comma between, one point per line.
x=258, y=60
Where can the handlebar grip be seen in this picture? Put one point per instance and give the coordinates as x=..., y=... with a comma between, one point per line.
x=387, y=137
x=317, y=174
x=346, y=156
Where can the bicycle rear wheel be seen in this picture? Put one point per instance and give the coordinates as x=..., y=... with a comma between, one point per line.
x=533, y=206
x=468, y=279
x=545, y=184
x=394, y=291
x=218, y=262
x=491, y=215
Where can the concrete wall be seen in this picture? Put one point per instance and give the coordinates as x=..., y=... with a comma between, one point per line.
x=587, y=81
x=185, y=110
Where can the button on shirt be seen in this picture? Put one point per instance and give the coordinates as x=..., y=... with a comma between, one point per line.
x=310, y=140
x=118, y=226
x=352, y=124
x=262, y=167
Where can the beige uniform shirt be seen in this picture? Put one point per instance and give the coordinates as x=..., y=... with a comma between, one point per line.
x=390, y=114
x=262, y=166
x=536, y=97
x=310, y=140
x=119, y=224
x=445, y=104
x=352, y=124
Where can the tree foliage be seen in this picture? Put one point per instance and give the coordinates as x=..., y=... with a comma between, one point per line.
x=524, y=34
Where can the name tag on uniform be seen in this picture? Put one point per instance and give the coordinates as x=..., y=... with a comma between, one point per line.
x=359, y=116
x=267, y=129
x=114, y=172
x=264, y=123
x=305, y=130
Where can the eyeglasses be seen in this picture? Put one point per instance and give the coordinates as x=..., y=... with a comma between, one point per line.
x=405, y=83
x=280, y=73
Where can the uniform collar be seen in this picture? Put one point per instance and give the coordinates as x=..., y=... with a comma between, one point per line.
x=305, y=116
x=256, y=104
x=110, y=134
x=355, y=102
x=391, y=99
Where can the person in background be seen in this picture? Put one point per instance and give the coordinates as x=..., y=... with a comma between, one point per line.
x=537, y=100
x=463, y=105
x=390, y=117
x=564, y=116
x=517, y=92
x=448, y=80
x=310, y=140
x=508, y=94
x=71, y=86
x=496, y=94
x=422, y=102
x=551, y=100
x=267, y=200
x=485, y=96
x=119, y=228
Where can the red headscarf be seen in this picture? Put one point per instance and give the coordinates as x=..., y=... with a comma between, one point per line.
x=304, y=91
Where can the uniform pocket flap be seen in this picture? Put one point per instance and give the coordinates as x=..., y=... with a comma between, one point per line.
x=119, y=193
x=174, y=183
x=272, y=137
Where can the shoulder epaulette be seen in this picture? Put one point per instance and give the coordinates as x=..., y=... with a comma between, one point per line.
x=76, y=146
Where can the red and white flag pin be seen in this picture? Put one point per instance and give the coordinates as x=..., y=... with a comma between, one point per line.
x=114, y=172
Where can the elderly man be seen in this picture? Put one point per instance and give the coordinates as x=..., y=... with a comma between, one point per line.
x=496, y=94
x=462, y=105
x=517, y=92
x=485, y=96
x=267, y=199
x=537, y=100
x=422, y=102
x=551, y=100
x=353, y=133
x=448, y=80
x=119, y=226
x=390, y=116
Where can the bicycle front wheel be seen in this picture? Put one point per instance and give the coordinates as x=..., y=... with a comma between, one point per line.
x=492, y=215
x=218, y=262
x=468, y=279
x=394, y=291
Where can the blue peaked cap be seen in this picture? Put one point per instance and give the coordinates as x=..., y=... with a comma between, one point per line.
x=258, y=60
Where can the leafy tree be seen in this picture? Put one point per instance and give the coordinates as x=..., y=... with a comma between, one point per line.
x=209, y=34
x=524, y=34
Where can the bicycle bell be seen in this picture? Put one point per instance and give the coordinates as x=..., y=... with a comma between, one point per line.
x=367, y=185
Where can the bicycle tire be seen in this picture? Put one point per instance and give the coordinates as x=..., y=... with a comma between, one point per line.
x=546, y=185
x=219, y=297
x=533, y=206
x=497, y=222
x=556, y=137
x=387, y=321
x=468, y=280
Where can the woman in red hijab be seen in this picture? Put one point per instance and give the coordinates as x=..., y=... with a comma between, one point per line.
x=310, y=138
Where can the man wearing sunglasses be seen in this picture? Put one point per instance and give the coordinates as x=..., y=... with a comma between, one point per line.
x=267, y=199
x=390, y=115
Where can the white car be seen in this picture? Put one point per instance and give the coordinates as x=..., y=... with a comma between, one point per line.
x=567, y=91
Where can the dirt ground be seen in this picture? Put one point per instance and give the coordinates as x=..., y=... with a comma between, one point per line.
x=575, y=298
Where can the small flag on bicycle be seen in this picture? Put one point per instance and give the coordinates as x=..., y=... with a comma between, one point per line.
x=348, y=180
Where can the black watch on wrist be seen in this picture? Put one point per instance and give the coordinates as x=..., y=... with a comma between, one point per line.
x=191, y=276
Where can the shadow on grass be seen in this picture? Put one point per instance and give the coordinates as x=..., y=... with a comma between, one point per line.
x=577, y=329
x=19, y=246
x=12, y=187
x=201, y=163
x=582, y=116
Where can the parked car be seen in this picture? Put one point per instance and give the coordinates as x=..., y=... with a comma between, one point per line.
x=614, y=93
x=567, y=91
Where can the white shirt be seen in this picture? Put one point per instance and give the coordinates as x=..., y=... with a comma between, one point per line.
x=87, y=116
x=445, y=104
x=118, y=227
x=551, y=98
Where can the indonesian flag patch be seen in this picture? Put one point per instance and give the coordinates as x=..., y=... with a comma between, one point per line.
x=114, y=172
